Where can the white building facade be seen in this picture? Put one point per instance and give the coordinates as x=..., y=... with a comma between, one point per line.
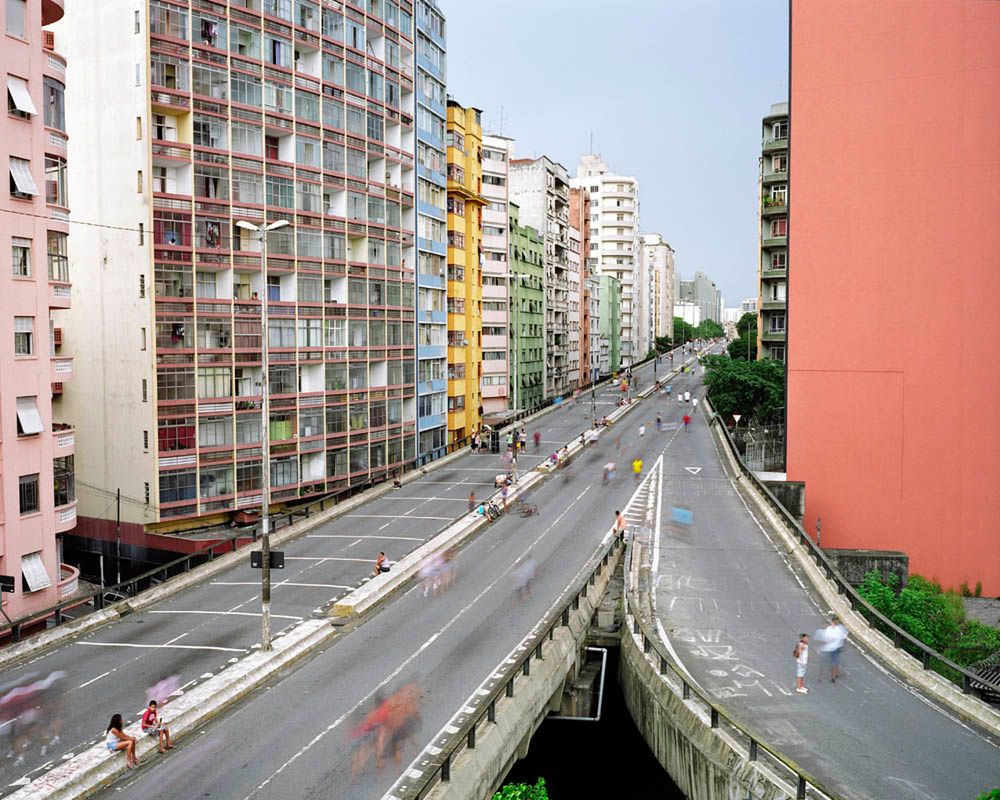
x=496, y=278
x=615, y=242
x=656, y=269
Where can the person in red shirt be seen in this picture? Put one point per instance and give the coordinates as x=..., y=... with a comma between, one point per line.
x=153, y=727
x=687, y=421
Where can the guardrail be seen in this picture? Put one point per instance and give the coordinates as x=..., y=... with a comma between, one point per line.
x=437, y=768
x=54, y=615
x=718, y=717
x=969, y=682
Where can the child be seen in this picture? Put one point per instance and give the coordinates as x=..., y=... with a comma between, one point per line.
x=153, y=727
x=801, y=654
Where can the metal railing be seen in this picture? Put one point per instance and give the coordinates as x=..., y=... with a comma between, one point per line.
x=718, y=717
x=436, y=768
x=969, y=682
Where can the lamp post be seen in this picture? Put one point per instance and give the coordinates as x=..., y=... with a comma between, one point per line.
x=265, y=461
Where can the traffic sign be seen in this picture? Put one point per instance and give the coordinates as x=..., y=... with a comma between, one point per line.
x=693, y=470
x=737, y=417
x=277, y=559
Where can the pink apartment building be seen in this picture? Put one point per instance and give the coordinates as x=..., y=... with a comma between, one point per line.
x=894, y=254
x=38, y=498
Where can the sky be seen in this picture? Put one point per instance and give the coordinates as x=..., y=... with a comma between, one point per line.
x=672, y=92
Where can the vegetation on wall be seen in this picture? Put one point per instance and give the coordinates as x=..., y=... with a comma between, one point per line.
x=753, y=389
x=523, y=791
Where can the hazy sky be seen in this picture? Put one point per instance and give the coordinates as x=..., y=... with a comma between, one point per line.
x=672, y=90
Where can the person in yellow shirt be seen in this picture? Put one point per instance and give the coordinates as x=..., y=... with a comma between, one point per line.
x=637, y=469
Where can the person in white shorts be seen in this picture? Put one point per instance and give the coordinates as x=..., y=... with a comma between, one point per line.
x=801, y=654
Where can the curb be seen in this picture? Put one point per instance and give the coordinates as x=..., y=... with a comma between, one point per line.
x=901, y=663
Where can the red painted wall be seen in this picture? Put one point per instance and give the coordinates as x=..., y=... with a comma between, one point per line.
x=894, y=279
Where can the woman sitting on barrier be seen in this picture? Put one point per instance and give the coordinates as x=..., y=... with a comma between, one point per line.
x=117, y=739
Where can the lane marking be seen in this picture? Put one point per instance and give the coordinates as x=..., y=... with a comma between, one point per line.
x=359, y=538
x=223, y=613
x=93, y=680
x=395, y=516
x=165, y=646
x=693, y=470
x=323, y=558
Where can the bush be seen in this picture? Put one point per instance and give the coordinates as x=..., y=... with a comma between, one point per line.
x=522, y=791
x=993, y=794
x=753, y=389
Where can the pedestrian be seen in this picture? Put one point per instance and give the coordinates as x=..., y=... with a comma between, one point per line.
x=472, y=501
x=834, y=638
x=637, y=469
x=680, y=398
x=381, y=564
x=687, y=397
x=801, y=654
x=510, y=440
x=659, y=423
x=642, y=430
x=687, y=422
x=694, y=402
x=537, y=436
x=523, y=438
x=619, y=528
x=503, y=495
x=155, y=728
x=116, y=739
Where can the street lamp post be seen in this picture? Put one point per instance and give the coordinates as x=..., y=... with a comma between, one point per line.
x=265, y=461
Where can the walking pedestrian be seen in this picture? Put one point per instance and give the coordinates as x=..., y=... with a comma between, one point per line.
x=687, y=422
x=472, y=501
x=801, y=654
x=537, y=436
x=523, y=439
x=659, y=423
x=637, y=469
x=510, y=440
x=694, y=402
x=642, y=430
x=687, y=397
x=834, y=638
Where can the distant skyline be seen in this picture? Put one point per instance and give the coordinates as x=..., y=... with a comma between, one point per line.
x=672, y=93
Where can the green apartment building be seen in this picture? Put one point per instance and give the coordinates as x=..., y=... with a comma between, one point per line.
x=527, y=304
x=610, y=304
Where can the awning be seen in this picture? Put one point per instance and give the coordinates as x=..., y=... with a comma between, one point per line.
x=21, y=173
x=34, y=572
x=27, y=415
x=18, y=88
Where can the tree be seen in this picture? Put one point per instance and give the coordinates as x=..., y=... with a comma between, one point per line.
x=683, y=333
x=708, y=329
x=753, y=389
x=745, y=346
x=662, y=343
x=745, y=323
x=522, y=791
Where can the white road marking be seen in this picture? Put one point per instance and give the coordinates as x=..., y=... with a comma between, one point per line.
x=323, y=558
x=356, y=541
x=94, y=680
x=223, y=613
x=165, y=646
x=359, y=538
x=394, y=516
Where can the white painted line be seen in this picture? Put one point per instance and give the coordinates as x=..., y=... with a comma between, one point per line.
x=224, y=613
x=322, y=558
x=165, y=646
x=356, y=541
x=693, y=470
x=395, y=516
x=359, y=538
x=93, y=680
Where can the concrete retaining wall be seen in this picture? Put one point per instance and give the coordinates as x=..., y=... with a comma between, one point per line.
x=853, y=564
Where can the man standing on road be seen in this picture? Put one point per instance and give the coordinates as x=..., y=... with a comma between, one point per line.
x=801, y=654
x=687, y=422
x=659, y=423
x=834, y=637
x=642, y=430
x=637, y=469
x=620, y=525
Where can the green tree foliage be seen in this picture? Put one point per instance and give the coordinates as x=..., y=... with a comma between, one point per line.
x=522, y=791
x=753, y=389
x=708, y=329
x=935, y=617
x=744, y=347
x=992, y=794
x=683, y=333
x=663, y=344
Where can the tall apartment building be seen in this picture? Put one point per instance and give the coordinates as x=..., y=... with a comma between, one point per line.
x=540, y=187
x=589, y=287
x=609, y=315
x=467, y=334
x=772, y=271
x=896, y=219
x=432, y=226
x=573, y=349
x=657, y=267
x=700, y=291
x=37, y=445
x=614, y=242
x=496, y=274
x=198, y=119
x=527, y=313
x=748, y=305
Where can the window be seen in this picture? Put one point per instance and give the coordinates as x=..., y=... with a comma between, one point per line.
x=177, y=485
x=145, y=393
x=20, y=250
x=246, y=138
x=205, y=286
x=58, y=255
x=245, y=89
x=215, y=432
x=28, y=490
x=22, y=185
x=55, y=181
x=215, y=382
x=779, y=164
x=63, y=480
x=779, y=228
x=284, y=471
x=776, y=323
x=29, y=421
x=19, y=102
x=248, y=476
x=24, y=336
x=53, y=98
x=209, y=132
x=779, y=130
x=779, y=260
x=17, y=18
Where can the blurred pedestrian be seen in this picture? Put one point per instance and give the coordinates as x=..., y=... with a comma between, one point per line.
x=801, y=654
x=619, y=529
x=642, y=430
x=834, y=639
x=686, y=419
x=472, y=501
x=637, y=469
x=537, y=436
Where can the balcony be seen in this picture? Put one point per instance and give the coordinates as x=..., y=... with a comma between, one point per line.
x=773, y=336
x=59, y=295
x=775, y=177
x=774, y=305
x=771, y=273
x=773, y=208
x=66, y=517
x=69, y=581
x=775, y=145
x=63, y=439
x=777, y=241
x=62, y=369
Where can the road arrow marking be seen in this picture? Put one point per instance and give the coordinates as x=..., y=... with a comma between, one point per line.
x=693, y=470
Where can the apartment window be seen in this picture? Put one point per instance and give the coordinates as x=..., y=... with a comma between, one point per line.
x=779, y=130
x=279, y=51
x=248, y=476
x=779, y=194
x=20, y=250
x=166, y=20
x=776, y=323
x=175, y=384
x=177, y=485
x=245, y=89
x=284, y=471
x=777, y=352
x=19, y=102
x=246, y=138
x=307, y=106
x=779, y=164
x=209, y=132
x=215, y=432
x=145, y=393
x=145, y=441
x=24, y=336
x=55, y=181
x=138, y=26
x=779, y=227
x=54, y=98
x=206, y=285
x=779, y=260
x=145, y=484
x=215, y=382
x=29, y=421
x=63, y=480
x=28, y=484
x=142, y=338
x=22, y=185
x=244, y=42
x=280, y=192
x=17, y=18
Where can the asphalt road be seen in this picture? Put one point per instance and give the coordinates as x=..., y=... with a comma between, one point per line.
x=733, y=608
x=199, y=632
x=293, y=738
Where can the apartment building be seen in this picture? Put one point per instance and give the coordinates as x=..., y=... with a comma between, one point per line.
x=540, y=187
x=527, y=313
x=227, y=117
x=37, y=441
x=589, y=287
x=609, y=315
x=432, y=226
x=614, y=242
x=772, y=313
x=496, y=272
x=574, y=347
x=702, y=292
x=657, y=267
x=467, y=333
